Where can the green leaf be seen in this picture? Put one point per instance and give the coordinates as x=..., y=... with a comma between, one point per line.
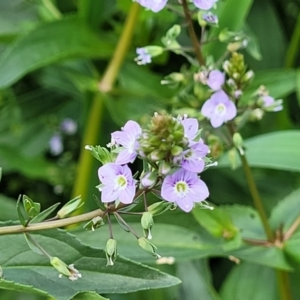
x=286, y=212
x=232, y=15
x=26, y=270
x=95, y=12
x=245, y=282
x=47, y=44
x=291, y=247
x=276, y=150
x=30, y=242
x=89, y=296
x=7, y=208
x=217, y=222
x=45, y=213
x=184, y=245
x=32, y=167
x=196, y=280
x=21, y=212
x=279, y=82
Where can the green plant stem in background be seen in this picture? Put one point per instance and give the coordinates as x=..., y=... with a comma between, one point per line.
x=192, y=33
x=293, y=48
x=51, y=224
x=52, y=9
x=256, y=197
x=284, y=285
x=92, y=129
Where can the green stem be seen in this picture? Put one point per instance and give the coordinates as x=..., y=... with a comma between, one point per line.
x=192, y=33
x=284, y=285
x=52, y=9
x=51, y=224
x=293, y=48
x=94, y=119
x=256, y=197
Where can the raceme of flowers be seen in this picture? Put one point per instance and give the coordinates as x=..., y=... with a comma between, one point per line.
x=174, y=150
x=157, y=5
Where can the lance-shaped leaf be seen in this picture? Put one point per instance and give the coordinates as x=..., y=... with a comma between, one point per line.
x=47, y=44
x=23, y=270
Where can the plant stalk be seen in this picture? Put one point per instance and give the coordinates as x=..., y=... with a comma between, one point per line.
x=192, y=33
x=93, y=126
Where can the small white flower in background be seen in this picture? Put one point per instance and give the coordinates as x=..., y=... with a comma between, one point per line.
x=56, y=145
x=68, y=126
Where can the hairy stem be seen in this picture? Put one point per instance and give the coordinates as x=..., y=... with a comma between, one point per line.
x=192, y=33
x=51, y=224
x=256, y=197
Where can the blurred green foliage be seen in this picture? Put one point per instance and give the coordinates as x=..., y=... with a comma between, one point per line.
x=52, y=55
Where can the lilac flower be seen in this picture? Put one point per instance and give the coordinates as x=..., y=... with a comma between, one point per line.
x=270, y=104
x=192, y=159
x=143, y=57
x=128, y=139
x=215, y=80
x=219, y=109
x=56, y=145
x=204, y=4
x=184, y=188
x=118, y=183
x=190, y=126
x=68, y=126
x=210, y=18
x=154, y=5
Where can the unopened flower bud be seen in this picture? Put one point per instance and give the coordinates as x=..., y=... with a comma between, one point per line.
x=158, y=208
x=176, y=150
x=164, y=167
x=69, y=207
x=149, y=179
x=31, y=208
x=111, y=251
x=256, y=114
x=248, y=76
x=64, y=269
x=94, y=223
x=238, y=142
x=233, y=159
x=156, y=155
x=147, y=224
x=148, y=246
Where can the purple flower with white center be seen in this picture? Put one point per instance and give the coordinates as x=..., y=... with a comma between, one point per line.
x=68, y=126
x=192, y=159
x=184, y=188
x=215, y=80
x=143, y=57
x=204, y=4
x=219, y=109
x=190, y=126
x=56, y=145
x=118, y=183
x=128, y=139
x=154, y=5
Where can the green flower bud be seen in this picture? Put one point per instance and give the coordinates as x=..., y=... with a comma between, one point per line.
x=148, y=246
x=164, y=167
x=238, y=142
x=154, y=50
x=176, y=150
x=94, y=223
x=1, y=272
x=147, y=224
x=158, y=208
x=69, y=207
x=101, y=154
x=149, y=179
x=111, y=251
x=31, y=208
x=233, y=159
x=64, y=269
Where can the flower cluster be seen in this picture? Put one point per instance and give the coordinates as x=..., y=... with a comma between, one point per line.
x=175, y=154
x=157, y=5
